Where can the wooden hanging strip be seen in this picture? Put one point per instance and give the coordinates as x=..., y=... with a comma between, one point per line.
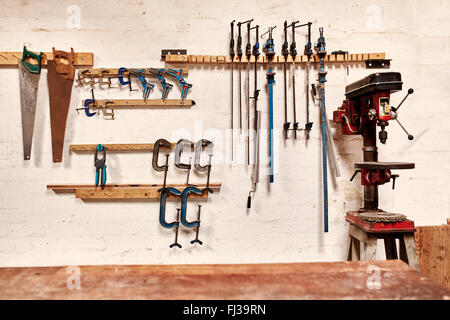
x=126, y=192
x=330, y=58
x=114, y=72
x=116, y=147
x=82, y=59
x=125, y=103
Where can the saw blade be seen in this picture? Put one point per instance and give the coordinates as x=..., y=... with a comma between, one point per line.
x=60, y=90
x=29, y=83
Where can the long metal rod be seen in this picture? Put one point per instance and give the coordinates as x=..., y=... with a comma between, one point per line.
x=240, y=97
x=248, y=112
x=232, y=109
x=322, y=79
x=308, y=129
x=285, y=54
x=285, y=126
x=295, y=124
x=271, y=155
x=232, y=86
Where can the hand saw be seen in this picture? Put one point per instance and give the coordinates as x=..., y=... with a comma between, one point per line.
x=60, y=81
x=29, y=75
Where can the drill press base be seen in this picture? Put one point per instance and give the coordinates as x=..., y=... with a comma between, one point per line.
x=380, y=221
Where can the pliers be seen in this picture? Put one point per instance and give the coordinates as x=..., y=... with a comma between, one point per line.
x=100, y=166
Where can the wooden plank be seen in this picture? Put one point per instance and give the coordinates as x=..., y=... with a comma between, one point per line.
x=61, y=188
x=82, y=59
x=114, y=72
x=233, y=281
x=299, y=59
x=126, y=192
x=433, y=250
x=125, y=103
x=129, y=193
x=116, y=147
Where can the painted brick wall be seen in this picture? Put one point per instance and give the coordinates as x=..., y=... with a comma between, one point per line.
x=39, y=227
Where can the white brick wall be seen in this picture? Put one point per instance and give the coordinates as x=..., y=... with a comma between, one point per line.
x=39, y=227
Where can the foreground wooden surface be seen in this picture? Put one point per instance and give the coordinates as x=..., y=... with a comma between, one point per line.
x=433, y=250
x=325, y=280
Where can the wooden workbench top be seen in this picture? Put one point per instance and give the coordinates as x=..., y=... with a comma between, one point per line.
x=323, y=280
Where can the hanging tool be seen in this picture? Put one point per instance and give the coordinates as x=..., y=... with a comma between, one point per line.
x=293, y=50
x=29, y=75
x=308, y=52
x=176, y=244
x=60, y=78
x=165, y=191
x=285, y=54
x=84, y=80
x=100, y=166
x=199, y=146
x=105, y=73
x=256, y=54
x=147, y=86
x=255, y=172
x=232, y=53
x=123, y=82
x=178, y=74
x=183, y=144
x=240, y=53
x=166, y=87
x=196, y=240
x=202, y=143
x=269, y=49
x=248, y=53
x=320, y=47
x=89, y=103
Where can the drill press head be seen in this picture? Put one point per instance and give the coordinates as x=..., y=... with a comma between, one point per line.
x=368, y=102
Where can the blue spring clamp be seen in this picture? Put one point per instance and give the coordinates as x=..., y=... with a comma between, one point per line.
x=178, y=74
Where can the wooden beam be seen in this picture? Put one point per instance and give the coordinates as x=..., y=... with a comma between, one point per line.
x=126, y=191
x=82, y=59
x=152, y=103
x=115, y=147
x=300, y=59
x=114, y=72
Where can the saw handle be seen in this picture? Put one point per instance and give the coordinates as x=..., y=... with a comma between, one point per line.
x=32, y=68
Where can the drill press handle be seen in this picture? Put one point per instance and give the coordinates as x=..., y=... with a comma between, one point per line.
x=394, y=114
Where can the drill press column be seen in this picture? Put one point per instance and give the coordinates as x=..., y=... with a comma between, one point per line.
x=370, y=155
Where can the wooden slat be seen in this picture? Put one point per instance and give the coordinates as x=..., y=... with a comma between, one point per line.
x=115, y=147
x=114, y=72
x=199, y=59
x=289, y=281
x=82, y=59
x=433, y=249
x=125, y=192
x=126, y=103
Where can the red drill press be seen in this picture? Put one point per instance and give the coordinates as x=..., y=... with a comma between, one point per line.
x=366, y=107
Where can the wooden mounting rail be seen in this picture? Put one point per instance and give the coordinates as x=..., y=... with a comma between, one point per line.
x=82, y=59
x=114, y=72
x=330, y=58
x=115, y=147
x=126, y=103
x=126, y=191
